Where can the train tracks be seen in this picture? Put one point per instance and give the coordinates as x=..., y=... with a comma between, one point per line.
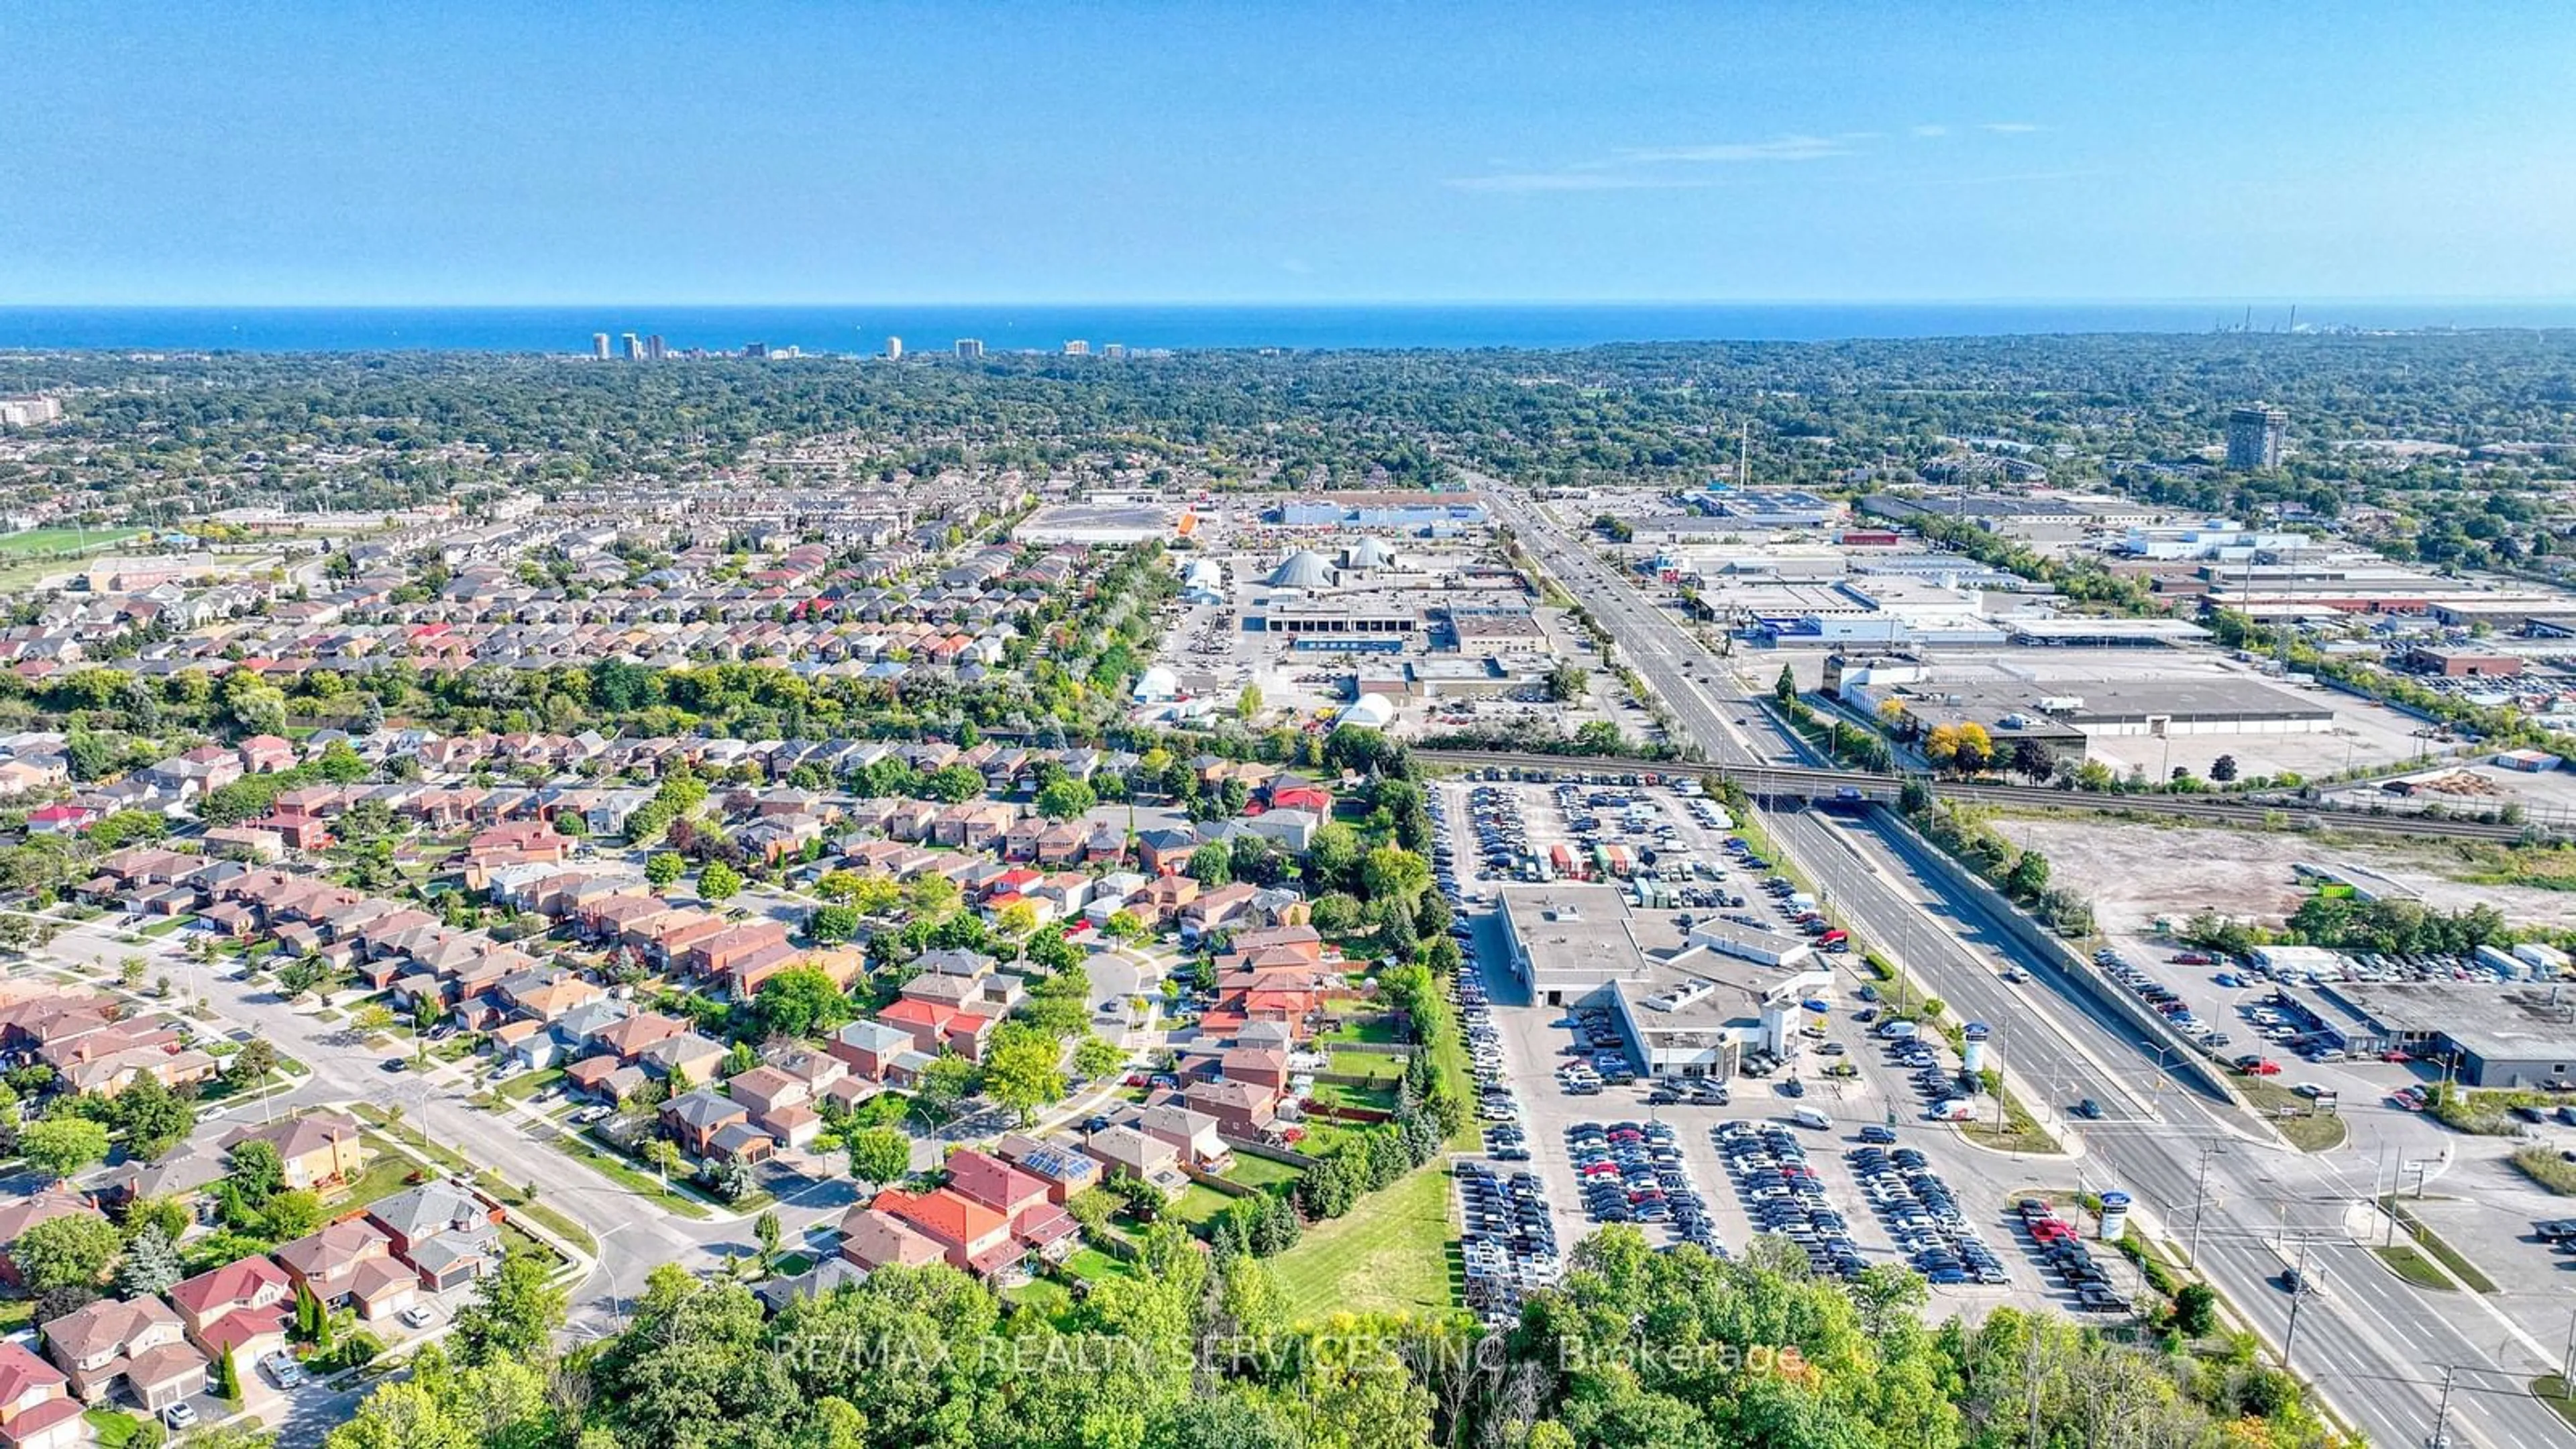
x=1795, y=782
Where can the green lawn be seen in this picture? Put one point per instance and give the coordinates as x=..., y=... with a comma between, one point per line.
x=1049, y=1297
x=55, y=540
x=527, y=1084
x=2442, y=1252
x=2555, y=1392
x=1378, y=1098
x=169, y=925
x=2293, y=1116
x=1390, y=1253
x=1377, y=1033
x=116, y=1428
x=1197, y=1206
x=2415, y=1268
x=1253, y=1171
x=1092, y=1266
x=1376, y=1066
x=388, y=1172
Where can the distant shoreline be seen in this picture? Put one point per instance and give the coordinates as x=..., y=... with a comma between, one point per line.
x=864, y=329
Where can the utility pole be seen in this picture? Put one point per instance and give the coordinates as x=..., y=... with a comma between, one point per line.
x=2442, y=1413
x=2290, y=1336
x=2567, y=1360
x=2200, y=1202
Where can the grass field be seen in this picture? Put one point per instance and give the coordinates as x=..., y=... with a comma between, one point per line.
x=1389, y=1254
x=58, y=540
x=1375, y=1033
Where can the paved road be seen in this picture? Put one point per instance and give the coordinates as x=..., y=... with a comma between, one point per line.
x=2375, y=1347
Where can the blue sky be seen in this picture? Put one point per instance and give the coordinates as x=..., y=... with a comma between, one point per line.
x=561, y=151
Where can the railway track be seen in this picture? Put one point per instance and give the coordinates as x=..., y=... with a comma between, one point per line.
x=1790, y=781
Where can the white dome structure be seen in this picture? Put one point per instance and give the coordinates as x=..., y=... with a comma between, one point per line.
x=1369, y=711
x=1368, y=553
x=1157, y=684
x=1304, y=569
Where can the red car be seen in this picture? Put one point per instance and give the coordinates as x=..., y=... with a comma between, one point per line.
x=2395, y=1056
x=2194, y=958
x=2265, y=1068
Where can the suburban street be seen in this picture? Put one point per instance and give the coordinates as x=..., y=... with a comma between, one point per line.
x=634, y=1235
x=2377, y=1349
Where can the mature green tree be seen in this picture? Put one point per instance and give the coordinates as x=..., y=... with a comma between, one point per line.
x=514, y=1313
x=945, y=1085
x=1022, y=1070
x=59, y=1147
x=719, y=882
x=831, y=924
x=1066, y=799
x=1212, y=866
x=70, y=1251
x=291, y=1214
x=153, y=1118
x=256, y=1172
x=151, y=1263
x=1095, y=1058
x=878, y=1155
x=662, y=868
x=801, y=1001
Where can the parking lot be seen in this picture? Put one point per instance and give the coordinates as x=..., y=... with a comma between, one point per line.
x=1567, y=1112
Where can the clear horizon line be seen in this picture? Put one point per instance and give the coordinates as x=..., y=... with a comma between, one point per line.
x=2238, y=300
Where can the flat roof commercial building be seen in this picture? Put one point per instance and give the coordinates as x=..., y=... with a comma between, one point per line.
x=1688, y=1001
x=2515, y=1036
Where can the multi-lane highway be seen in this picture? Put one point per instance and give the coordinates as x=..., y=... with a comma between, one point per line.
x=2200, y=1171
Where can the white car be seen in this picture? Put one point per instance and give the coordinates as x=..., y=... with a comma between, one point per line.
x=419, y=1315
x=180, y=1416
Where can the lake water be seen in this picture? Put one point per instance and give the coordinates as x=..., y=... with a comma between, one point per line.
x=864, y=329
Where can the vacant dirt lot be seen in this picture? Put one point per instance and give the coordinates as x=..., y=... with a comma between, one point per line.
x=2136, y=873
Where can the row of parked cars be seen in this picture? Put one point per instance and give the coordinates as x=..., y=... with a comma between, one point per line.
x=1783, y=1195
x=1923, y=1217
x=2160, y=998
x=1945, y=1093
x=2061, y=1250
x=1630, y=1172
x=1599, y=1054
x=1508, y=1240
x=1495, y=1100
x=1502, y=835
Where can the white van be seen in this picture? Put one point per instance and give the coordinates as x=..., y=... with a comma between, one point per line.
x=1812, y=1119
x=1897, y=1030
